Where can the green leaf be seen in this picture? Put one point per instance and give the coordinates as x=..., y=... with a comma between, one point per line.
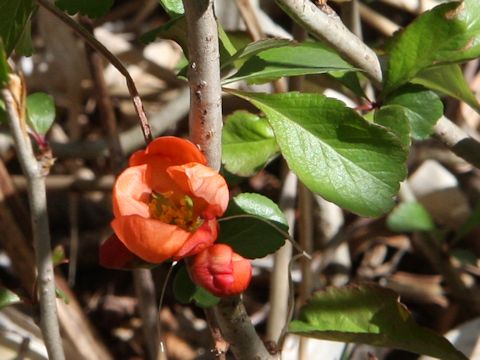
x=204, y=299
x=14, y=16
x=186, y=291
x=448, y=80
x=290, y=60
x=255, y=236
x=423, y=108
x=248, y=143
x=183, y=287
x=3, y=113
x=8, y=297
x=58, y=255
x=254, y=48
x=176, y=30
x=60, y=294
x=410, y=216
x=395, y=118
x=4, y=71
x=41, y=112
x=449, y=33
x=351, y=81
x=369, y=315
x=24, y=44
x=334, y=151
x=174, y=8
x=91, y=8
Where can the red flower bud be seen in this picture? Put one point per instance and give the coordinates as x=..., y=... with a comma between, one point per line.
x=221, y=271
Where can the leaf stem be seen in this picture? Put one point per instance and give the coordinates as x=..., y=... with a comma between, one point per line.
x=95, y=44
x=38, y=212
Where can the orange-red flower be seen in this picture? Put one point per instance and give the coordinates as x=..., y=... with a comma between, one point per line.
x=166, y=202
x=221, y=271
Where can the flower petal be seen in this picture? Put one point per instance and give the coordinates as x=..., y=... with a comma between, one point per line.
x=114, y=255
x=204, y=183
x=156, y=175
x=137, y=158
x=176, y=150
x=149, y=239
x=202, y=238
x=130, y=191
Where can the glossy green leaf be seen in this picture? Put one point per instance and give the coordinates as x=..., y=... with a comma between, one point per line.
x=369, y=315
x=290, y=60
x=174, y=8
x=8, y=297
x=40, y=112
x=351, y=81
x=395, y=118
x=254, y=48
x=449, y=33
x=186, y=291
x=91, y=8
x=248, y=143
x=14, y=16
x=4, y=68
x=334, y=151
x=255, y=236
x=24, y=44
x=423, y=108
x=410, y=216
x=449, y=80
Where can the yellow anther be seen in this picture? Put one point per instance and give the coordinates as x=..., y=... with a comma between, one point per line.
x=162, y=207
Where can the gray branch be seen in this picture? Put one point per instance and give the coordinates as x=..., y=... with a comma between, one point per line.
x=204, y=79
x=206, y=131
x=41, y=232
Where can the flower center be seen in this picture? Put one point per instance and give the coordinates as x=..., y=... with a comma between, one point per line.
x=163, y=207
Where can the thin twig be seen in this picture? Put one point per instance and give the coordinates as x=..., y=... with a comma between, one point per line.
x=132, y=139
x=94, y=43
x=41, y=232
x=326, y=25
x=142, y=278
x=238, y=330
x=147, y=305
x=305, y=236
x=250, y=19
x=279, y=280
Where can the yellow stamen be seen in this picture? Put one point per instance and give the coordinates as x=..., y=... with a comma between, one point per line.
x=164, y=208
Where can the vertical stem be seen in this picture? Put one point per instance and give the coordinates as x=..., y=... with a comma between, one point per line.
x=205, y=131
x=41, y=232
x=279, y=280
x=204, y=79
x=142, y=278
